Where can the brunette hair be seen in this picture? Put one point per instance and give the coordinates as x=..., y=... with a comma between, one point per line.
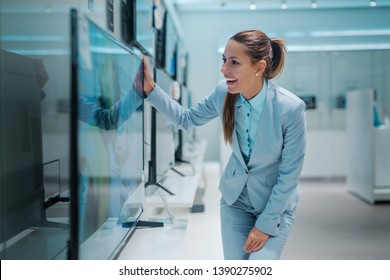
x=258, y=46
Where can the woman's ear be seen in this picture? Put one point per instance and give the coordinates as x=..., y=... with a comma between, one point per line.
x=260, y=67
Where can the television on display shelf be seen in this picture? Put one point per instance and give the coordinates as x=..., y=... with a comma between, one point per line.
x=171, y=47
x=164, y=139
x=161, y=17
x=107, y=168
x=26, y=232
x=184, y=136
x=138, y=25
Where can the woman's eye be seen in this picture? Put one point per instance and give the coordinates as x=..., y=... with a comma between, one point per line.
x=224, y=60
x=234, y=62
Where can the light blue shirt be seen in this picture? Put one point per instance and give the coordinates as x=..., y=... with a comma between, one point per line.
x=248, y=120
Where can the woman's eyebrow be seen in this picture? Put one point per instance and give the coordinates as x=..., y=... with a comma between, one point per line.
x=232, y=57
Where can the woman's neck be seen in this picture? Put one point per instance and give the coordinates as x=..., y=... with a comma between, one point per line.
x=257, y=89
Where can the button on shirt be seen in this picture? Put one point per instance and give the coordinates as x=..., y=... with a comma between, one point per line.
x=248, y=120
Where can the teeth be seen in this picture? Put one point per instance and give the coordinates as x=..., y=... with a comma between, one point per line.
x=230, y=80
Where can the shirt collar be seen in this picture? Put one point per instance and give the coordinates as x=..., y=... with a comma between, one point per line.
x=256, y=101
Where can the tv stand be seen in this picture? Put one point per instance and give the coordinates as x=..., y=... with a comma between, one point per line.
x=153, y=179
x=179, y=160
x=54, y=200
x=143, y=224
x=164, y=200
x=160, y=186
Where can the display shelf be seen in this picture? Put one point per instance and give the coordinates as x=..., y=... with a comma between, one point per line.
x=184, y=188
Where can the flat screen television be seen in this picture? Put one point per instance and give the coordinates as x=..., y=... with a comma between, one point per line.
x=161, y=38
x=163, y=140
x=181, y=61
x=137, y=18
x=183, y=135
x=107, y=169
x=166, y=131
x=171, y=47
x=25, y=231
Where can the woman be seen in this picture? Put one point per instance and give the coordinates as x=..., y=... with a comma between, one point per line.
x=265, y=126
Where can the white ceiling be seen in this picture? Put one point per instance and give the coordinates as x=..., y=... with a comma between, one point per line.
x=240, y=5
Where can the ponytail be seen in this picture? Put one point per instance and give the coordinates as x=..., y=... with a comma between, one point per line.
x=277, y=61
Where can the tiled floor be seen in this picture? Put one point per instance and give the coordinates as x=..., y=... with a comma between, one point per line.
x=331, y=224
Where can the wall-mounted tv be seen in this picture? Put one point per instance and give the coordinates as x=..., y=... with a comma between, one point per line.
x=107, y=191
x=137, y=18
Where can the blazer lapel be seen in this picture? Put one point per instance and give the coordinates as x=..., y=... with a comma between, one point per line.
x=235, y=145
x=263, y=140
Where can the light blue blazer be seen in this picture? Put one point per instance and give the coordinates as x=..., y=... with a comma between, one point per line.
x=273, y=172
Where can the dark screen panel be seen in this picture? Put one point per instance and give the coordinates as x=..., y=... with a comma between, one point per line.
x=171, y=47
x=21, y=149
x=26, y=232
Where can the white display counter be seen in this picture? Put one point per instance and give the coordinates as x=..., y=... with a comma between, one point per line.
x=167, y=242
x=368, y=175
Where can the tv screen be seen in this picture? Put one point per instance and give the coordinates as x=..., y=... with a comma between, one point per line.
x=138, y=24
x=148, y=133
x=181, y=61
x=184, y=135
x=161, y=37
x=107, y=144
x=171, y=47
x=165, y=130
x=25, y=232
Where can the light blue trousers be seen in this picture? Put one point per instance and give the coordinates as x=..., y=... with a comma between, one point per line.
x=236, y=222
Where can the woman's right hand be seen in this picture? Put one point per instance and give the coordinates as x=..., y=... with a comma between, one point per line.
x=149, y=83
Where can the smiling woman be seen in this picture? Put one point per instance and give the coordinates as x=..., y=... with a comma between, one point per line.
x=265, y=126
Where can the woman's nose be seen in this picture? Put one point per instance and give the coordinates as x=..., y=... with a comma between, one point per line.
x=223, y=69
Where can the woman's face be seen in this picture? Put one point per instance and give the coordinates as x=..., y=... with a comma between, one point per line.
x=239, y=71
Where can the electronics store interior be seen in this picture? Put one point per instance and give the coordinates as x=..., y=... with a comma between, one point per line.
x=90, y=170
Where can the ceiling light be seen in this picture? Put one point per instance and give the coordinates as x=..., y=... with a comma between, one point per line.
x=284, y=5
x=314, y=4
x=372, y=3
x=252, y=6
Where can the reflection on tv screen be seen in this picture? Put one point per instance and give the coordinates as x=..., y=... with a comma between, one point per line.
x=110, y=138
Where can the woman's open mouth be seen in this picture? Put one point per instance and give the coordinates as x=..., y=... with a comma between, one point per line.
x=230, y=82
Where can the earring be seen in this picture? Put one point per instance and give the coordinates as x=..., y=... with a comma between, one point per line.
x=257, y=74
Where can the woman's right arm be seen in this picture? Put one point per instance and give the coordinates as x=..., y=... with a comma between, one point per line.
x=149, y=83
x=183, y=118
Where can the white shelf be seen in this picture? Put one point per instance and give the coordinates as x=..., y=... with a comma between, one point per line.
x=163, y=243
x=184, y=188
x=167, y=242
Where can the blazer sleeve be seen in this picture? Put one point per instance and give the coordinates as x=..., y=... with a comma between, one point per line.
x=285, y=189
x=185, y=118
